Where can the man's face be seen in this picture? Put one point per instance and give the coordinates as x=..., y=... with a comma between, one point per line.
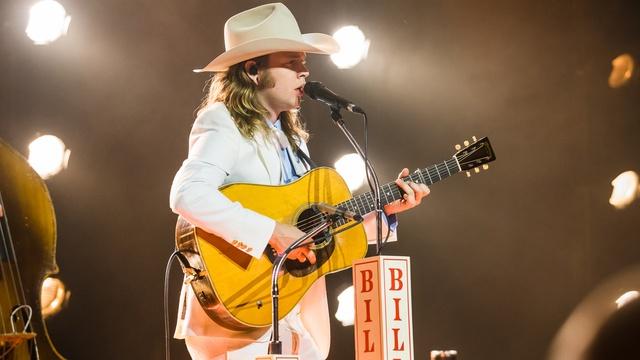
x=285, y=76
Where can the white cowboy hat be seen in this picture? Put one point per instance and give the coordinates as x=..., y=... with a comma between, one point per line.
x=263, y=30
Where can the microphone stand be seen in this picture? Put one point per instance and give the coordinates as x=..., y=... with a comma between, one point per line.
x=275, y=345
x=371, y=174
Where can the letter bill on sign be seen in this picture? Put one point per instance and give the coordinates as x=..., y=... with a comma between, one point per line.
x=383, y=326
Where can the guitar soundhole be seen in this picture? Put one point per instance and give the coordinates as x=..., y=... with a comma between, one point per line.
x=323, y=245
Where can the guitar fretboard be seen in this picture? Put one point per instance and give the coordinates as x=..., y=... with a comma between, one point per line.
x=390, y=192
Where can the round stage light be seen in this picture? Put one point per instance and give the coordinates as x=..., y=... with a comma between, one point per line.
x=627, y=298
x=53, y=296
x=625, y=189
x=351, y=168
x=346, y=307
x=48, y=155
x=48, y=20
x=354, y=47
x=622, y=69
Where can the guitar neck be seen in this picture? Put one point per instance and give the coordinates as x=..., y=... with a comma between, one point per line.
x=390, y=192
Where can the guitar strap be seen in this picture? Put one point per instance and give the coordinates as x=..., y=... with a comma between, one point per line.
x=302, y=155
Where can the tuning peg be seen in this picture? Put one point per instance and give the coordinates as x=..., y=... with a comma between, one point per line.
x=476, y=170
x=474, y=139
x=458, y=147
x=468, y=174
x=485, y=167
x=466, y=143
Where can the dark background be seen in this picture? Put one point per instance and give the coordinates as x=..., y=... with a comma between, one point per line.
x=499, y=260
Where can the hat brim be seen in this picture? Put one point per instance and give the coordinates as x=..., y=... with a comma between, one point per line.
x=315, y=43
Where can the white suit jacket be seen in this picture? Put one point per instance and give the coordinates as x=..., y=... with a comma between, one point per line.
x=218, y=155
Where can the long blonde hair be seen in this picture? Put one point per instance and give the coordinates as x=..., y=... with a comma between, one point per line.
x=238, y=92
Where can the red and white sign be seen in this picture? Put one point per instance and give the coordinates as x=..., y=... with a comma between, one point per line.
x=383, y=326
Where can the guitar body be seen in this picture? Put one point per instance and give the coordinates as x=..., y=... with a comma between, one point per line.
x=234, y=288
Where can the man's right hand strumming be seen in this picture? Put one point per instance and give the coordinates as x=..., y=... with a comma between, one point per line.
x=283, y=235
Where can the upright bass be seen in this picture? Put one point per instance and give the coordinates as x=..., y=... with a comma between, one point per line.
x=27, y=257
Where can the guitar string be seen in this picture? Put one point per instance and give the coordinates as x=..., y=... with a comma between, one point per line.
x=313, y=221
x=394, y=190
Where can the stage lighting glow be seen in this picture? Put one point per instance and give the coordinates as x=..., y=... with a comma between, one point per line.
x=53, y=296
x=48, y=20
x=354, y=47
x=625, y=189
x=443, y=354
x=48, y=155
x=622, y=68
x=351, y=168
x=626, y=298
x=346, y=307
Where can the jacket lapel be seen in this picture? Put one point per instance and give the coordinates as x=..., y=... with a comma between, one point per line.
x=298, y=165
x=268, y=154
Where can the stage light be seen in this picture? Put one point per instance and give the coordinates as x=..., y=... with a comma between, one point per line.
x=346, y=307
x=354, y=47
x=53, y=296
x=625, y=189
x=48, y=155
x=622, y=68
x=626, y=298
x=597, y=320
x=443, y=355
x=351, y=168
x=48, y=20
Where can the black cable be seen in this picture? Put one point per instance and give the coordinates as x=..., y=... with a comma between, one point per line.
x=167, y=271
x=386, y=238
x=379, y=243
x=366, y=159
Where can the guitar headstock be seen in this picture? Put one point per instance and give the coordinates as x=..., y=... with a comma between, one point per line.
x=475, y=154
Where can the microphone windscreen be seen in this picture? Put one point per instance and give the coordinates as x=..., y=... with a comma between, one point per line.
x=311, y=89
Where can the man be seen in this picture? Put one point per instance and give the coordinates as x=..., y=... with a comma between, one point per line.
x=248, y=130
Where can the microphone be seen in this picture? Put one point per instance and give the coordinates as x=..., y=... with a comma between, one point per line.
x=317, y=91
x=332, y=210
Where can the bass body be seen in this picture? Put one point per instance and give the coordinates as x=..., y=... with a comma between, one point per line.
x=27, y=257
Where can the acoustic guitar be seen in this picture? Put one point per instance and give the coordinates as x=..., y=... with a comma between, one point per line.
x=234, y=288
